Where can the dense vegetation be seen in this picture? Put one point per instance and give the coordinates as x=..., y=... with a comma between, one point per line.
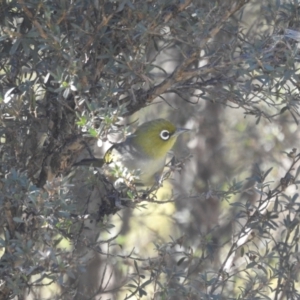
x=75, y=75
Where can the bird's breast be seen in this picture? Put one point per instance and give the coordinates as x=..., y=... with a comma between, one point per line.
x=148, y=169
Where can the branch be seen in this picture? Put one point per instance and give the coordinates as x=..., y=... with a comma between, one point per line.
x=181, y=73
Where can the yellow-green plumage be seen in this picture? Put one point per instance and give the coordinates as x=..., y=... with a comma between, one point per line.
x=144, y=151
x=148, y=135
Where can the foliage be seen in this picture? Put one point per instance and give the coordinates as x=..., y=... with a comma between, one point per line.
x=71, y=71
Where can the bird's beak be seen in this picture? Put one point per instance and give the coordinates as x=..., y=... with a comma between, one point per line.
x=180, y=131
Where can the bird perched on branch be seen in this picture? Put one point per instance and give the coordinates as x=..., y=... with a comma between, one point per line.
x=143, y=154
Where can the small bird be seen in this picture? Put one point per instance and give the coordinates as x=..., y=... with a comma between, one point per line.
x=143, y=153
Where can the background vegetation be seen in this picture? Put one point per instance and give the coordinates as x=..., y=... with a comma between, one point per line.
x=76, y=75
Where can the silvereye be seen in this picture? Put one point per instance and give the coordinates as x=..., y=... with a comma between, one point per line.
x=143, y=153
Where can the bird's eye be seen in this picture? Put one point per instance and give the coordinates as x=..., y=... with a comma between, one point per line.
x=165, y=135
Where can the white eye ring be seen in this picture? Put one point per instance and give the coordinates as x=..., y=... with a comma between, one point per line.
x=164, y=135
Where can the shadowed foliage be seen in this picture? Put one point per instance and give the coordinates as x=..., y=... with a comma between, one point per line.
x=79, y=75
